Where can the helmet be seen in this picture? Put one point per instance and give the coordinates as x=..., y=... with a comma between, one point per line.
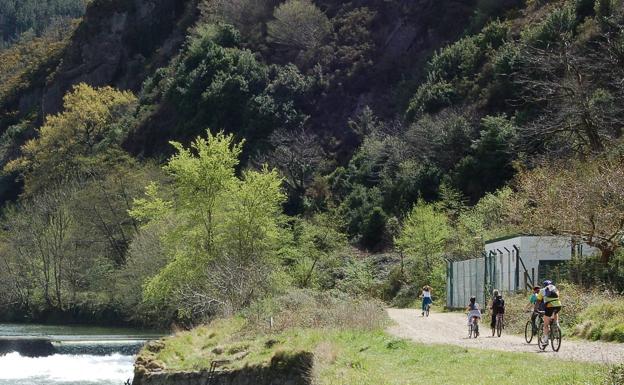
x=473, y=298
x=536, y=288
x=547, y=282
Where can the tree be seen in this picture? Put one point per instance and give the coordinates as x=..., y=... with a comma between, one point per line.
x=312, y=255
x=489, y=164
x=298, y=156
x=223, y=243
x=581, y=199
x=298, y=25
x=423, y=239
x=577, y=94
x=91, y=125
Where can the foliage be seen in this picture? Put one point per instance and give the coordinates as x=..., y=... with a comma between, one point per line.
x=310, y=309
x=556, y=27
x=602, y=321
x=423, y=239
x=29, y=60
x=578, y=199
x=489, y=164
x=313, y=253
x=32, y=15
x=213, y=84
x=91, y=125
x=226, y=232
x=298, y=25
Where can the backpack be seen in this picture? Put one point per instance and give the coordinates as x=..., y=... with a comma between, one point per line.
x=551, y=292
x=499, y=303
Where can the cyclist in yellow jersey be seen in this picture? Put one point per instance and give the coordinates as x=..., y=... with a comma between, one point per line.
x=549, y=297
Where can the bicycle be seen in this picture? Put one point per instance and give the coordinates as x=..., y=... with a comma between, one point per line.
x=473, y=328
x=499, y=325
x=531, y=328
x=554, y=336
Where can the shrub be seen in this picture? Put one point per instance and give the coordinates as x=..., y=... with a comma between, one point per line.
x=432, y=96
x=558, y=26
x=298, y=25
x=602, y=321
x=312, y=309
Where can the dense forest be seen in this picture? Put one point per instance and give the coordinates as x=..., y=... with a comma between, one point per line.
x=22, y=19
x=173, y=160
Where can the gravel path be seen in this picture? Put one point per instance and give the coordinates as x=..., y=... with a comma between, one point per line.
x=451, y=328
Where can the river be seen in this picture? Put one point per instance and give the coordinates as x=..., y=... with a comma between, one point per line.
x=75, y=355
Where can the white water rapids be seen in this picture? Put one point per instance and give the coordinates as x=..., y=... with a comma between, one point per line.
x=59, y=369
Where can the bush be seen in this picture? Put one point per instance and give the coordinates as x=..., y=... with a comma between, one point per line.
x=312, y=309
x=558, y=25
x=616, y=375
x=431, y=96
x=602, y=321
x=298, y=25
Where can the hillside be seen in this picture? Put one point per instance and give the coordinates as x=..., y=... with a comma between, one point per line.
x=306, y=135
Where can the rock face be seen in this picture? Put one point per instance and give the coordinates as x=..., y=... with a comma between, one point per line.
x=118, y=43
x=293, y=371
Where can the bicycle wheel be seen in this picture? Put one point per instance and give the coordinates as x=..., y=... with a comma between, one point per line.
x=499, y=326
x=555, y=337
x=540, y=335
x=470, y=331
x=427, y=310
x=528, y=332
x=475, y=334
x=539, y=328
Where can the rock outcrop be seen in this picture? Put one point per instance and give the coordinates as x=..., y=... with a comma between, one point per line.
x=119, y=43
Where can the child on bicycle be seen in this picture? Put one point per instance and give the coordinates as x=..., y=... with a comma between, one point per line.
x=426, y=298
x=533, y=306
x=473, y=310
x=497, y=307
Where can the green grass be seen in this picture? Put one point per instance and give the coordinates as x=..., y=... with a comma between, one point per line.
x=602, y=321
x=364, y=357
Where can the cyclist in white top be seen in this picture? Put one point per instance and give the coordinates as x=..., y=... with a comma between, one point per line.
x=426, y=298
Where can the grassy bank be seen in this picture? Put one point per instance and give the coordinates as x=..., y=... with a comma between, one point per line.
x=359, y=357
x=349, y=346
x=602, y=321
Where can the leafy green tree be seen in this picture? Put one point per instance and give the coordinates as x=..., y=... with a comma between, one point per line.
x=298, y=25
x=226, y=233
x=374, y=230
x=92, y=125
x=426, y=231
x=32, y=15
x=312, y=256
x=490, y=164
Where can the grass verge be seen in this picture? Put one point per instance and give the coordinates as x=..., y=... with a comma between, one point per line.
x=359, y=357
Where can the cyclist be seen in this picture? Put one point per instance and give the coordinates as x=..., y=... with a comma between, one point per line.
x=533, y=306
x=473, y=310
x=426, y=298
x=549, y=297
x=497, y=307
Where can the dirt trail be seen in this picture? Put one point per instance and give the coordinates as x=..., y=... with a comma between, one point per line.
x=451, y=329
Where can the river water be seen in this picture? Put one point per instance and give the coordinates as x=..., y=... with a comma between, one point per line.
x=82, y=355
